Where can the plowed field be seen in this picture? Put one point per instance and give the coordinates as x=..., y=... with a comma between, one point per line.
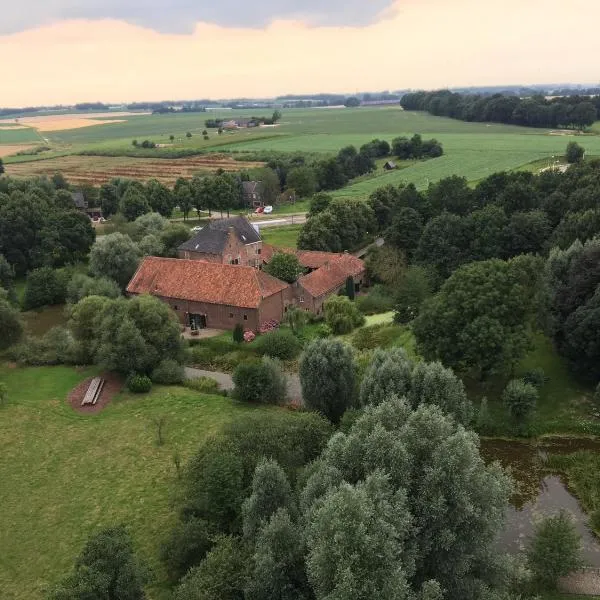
x=97, y=170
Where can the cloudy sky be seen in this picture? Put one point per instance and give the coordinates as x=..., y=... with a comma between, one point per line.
x=55, y=51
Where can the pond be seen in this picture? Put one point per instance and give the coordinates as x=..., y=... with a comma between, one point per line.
x=539, y=493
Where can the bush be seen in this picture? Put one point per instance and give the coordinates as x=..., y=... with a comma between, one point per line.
x=139, y=384
x=554, y=550
x=260, y=382
x=45, y=287
x=378, y=300
x=56, y=347
x=323, y=331
x=535, y=377
x=520, y=398
x=342, y=315
x=82, y=286
x=238, y=333
x=204, y=385
x=168, y=372
x=281, y=344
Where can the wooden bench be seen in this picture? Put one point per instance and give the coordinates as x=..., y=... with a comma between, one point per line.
x=93, y=392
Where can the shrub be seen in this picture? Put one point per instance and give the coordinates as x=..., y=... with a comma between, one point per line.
x=378, y=300
x=204, y=385
x=281, y=344
x=342, y=315
x=260, y=382
x=82, y=286
x=168, y=372
x=554, y=550
x=139, y=384
x=520, y=398
x=249, y=336
x=238, y=333
x=535, y=377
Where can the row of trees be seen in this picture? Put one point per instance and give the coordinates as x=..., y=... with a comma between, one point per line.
x=573, y=111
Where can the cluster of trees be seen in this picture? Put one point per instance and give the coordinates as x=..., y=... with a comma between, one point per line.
x=536, y=111
x=40, y=226
x=415, y=147
x=334, y=225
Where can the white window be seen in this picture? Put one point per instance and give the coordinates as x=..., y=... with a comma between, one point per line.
x=301, y=299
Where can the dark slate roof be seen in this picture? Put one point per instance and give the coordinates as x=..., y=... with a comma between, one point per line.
x=212, y=238
x=79, y=200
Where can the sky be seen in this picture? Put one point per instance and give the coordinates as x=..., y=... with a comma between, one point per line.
x=65, y=51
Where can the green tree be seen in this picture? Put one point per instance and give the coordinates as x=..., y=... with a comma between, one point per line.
x=114, y=256
x=527, y=233
x=405, y=231
x=392, y=491
x=555, y=550
x=187, y=544
x=284, y=266
x=271, y=491
x=80, y=286
x=150, y=245
x=260, y=382
x=296, y=319
x=10, y=323
x=220, y=576
x=109, y=201
x=45, y=286
x=351, y=102
x=303, y=181
x=412, y=291
x=269, y=183
x=389, y=374
x=278, y=572
x=238, y=333
x=3, y=392
x=451, y=194
x=328, y=378
x=1, y=167
x=385, y=264
x=7, y=275
x=575, y=152
x=172, y=237
x=106, y=568
x=481, y=319
x=342, y=315
x=134, y=203
x=520, y=399
x=319, y=203
x=159, y=197
x=432, y=383
x=280, y=343
x=356, y=541
x=184, y=198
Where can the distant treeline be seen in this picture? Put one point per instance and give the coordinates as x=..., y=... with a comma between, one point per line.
x=536, y=111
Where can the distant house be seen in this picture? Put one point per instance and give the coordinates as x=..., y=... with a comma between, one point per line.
x=230, y=125
x=218, y=296
x=252, y=193
x=232, y=241
x=81, y=204
x=390, y=165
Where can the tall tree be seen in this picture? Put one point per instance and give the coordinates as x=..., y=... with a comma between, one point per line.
x=114, y=256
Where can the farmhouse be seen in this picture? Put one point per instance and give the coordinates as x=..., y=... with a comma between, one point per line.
x=232, y=241
x=214, y=295
x=219, y=295
x=390, y=165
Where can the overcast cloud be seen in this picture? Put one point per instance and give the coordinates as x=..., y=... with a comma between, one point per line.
x=180, y=16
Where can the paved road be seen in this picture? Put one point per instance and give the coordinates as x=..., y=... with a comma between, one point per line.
x=281, y=221
x=226, y=382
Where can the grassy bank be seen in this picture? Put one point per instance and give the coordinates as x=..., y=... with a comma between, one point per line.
x=70, y=474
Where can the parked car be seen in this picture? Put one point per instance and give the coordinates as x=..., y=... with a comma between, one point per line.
x=268, y=210
x=196, y=229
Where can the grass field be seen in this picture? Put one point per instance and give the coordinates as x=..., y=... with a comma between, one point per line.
x=19, y=135
x=285, y=237
x=64, y=475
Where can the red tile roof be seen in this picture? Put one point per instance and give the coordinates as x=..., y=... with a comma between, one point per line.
x=332, y=274
x=310, y=259
x=199, y=281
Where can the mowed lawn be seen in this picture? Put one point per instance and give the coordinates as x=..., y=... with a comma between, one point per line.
x=64, y=475
x=284, y=237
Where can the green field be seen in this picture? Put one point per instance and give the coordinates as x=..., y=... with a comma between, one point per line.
x=473, y=150
x=64, y=475
x=18, y=135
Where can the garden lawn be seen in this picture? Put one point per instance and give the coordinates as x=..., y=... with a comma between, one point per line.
x=64, y=475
